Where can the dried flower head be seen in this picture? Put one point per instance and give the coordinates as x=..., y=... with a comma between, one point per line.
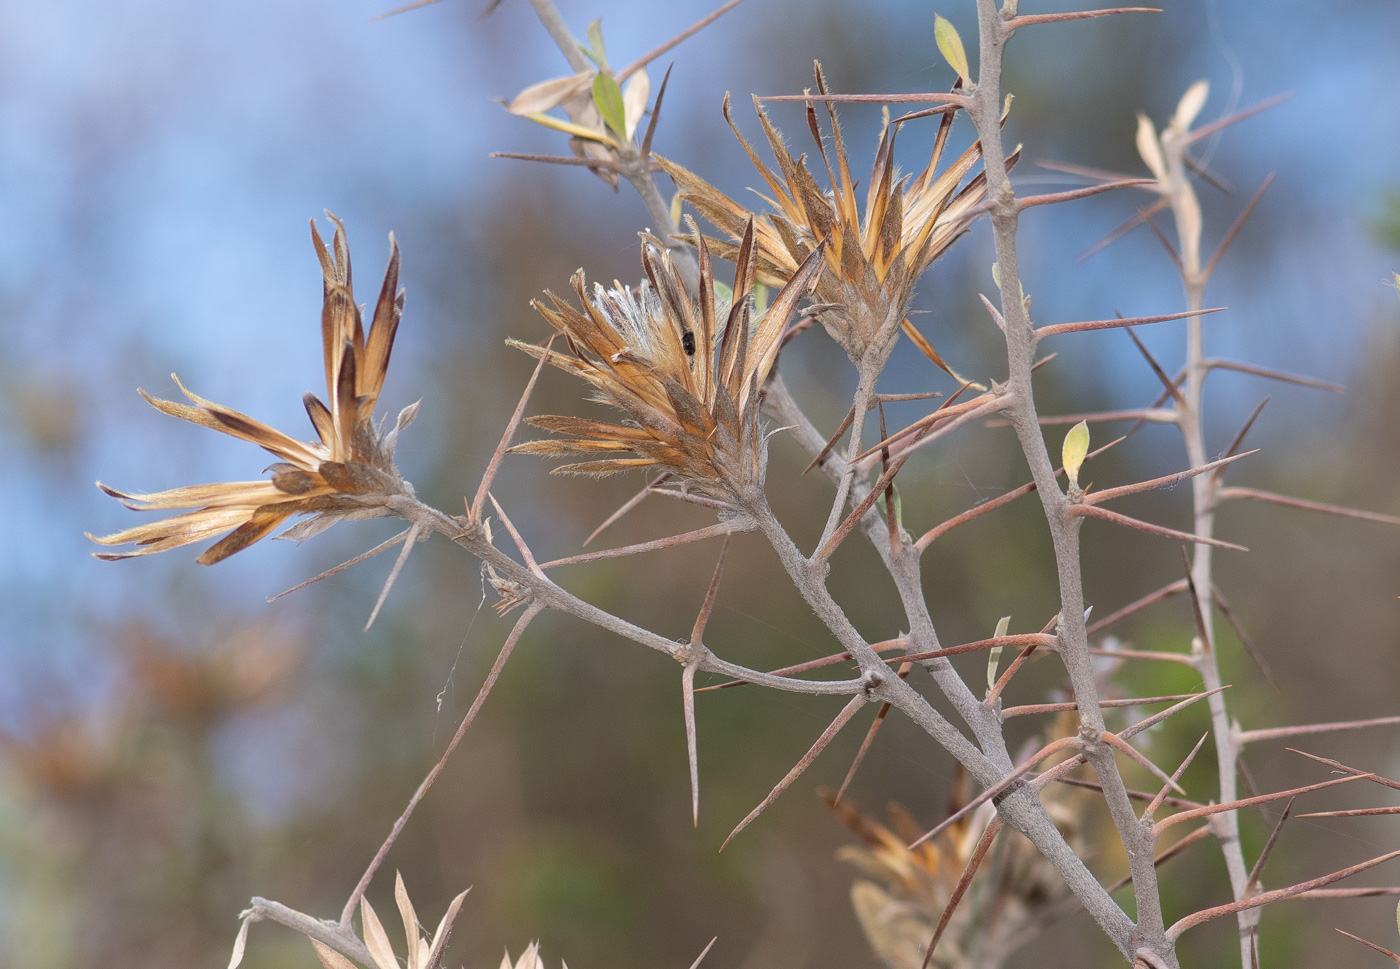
x=687, y=372
x=870, y=264
x=904, y=890
x=346, y=474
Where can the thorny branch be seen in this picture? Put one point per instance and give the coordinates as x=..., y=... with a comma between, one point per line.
x=521, y=582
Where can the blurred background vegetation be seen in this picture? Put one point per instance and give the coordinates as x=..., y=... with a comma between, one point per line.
x=173, y=745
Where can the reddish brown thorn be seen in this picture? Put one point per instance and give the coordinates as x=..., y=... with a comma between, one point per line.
x=1135, y=795
x=945, y=411
x=891, y=519
x=997, y=318
x=804, y=323
x=1166, y=481
x=627, y=506
x=1210, y=129
x=1374, y=892
x=869, y=739
x=1004, y=784
x=691, y=746
x=1031, y=20
x=696, y=652
x=897, y=398
x=842, y=718
x=1081, y=170
x=680, y=38
x=1236, y=227
x=1245, y=773
x=1132, y=701
x=1243, y=432
x=990, y=505
x=984, y=405
x=1165, y=244
x=994, y=694
x=984, y=845
x=846, y=527
x=1156, y=802
x=404, y=9
x=412, y=538
x=831, y=442
x=362, y=557
x=474, y=511
x=1257, y=871
x=1278, y=733
x=705, y=951
x=1167, y=382
x=1198, y=835
x=1151, y=598
x=1056, y=329
x=811, y=664
x=1181, y=658
x=525, y=554
x=1019, y=639
x=1353, y=771
x=656, y=112
x=1371, y=945
x=1116, y=742
x=1280, y=375
x=697, y=632
x=604, y=163
x=1211, y=178
x=1142, y=216
x=1202, y=631
x=865, y=745
x=1191, y=921
x=1030, y=201
x=1244, y=638
x=699, y=535
x=1302, y=505
x=1153, y=415
x=1161, y=715
x=1245, y=802
x=531, y=611
x=1353, y=813
x=1093, y=511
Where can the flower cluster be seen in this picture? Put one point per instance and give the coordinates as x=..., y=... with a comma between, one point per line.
x=345, y=474
x=870, y=264
x=687, y=371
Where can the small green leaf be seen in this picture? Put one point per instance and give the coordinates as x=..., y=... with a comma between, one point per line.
x=898, y=504
x=996, y=274
x=1075, y=449
x=761, y=294
x=994, y=657
x=596, y=50
x=608, y=97
x=951, y=46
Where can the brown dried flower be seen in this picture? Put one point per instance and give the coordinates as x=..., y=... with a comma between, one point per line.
x=903, y=891
x=346, y=474
x=688, y=373
x=870, y=265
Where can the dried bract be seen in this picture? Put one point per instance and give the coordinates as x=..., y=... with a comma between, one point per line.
x=904, y=891
x=687, y=372
x=870, y=264
x=348, y=473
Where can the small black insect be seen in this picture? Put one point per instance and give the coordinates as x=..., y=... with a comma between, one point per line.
x=688, y=343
